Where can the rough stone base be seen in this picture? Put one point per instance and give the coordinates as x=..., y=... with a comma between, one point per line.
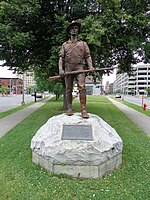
x=78, y=158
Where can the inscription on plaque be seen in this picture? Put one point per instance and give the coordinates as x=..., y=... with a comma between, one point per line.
x=77, y=132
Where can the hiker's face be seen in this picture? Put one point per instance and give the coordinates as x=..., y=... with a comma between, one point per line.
x=74, y=30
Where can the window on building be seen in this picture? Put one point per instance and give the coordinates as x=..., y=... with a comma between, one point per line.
x=142, y=73
x=142, y=68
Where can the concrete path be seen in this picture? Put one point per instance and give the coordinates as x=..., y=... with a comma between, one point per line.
x=138, y=118
x=10, y=121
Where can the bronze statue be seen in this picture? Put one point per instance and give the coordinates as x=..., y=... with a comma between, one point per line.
x=72, y=56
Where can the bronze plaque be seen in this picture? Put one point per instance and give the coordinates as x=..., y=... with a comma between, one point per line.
x=77, y=132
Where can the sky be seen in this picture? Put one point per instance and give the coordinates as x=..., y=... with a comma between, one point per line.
x=5, y=72
x=111, y=78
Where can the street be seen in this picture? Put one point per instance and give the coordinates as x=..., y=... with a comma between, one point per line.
x=137, y=100
x=9, y=102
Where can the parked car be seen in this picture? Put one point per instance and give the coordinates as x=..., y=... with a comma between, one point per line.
x=46, y=94
x=38, y=95
x=117, y=95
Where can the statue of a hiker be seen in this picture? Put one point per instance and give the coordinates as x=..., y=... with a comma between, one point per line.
x=72, y=56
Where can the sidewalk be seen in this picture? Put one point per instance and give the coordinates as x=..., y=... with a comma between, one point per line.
x=10, y=121
x=138, y=118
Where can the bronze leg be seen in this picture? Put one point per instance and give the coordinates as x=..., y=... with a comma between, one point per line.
x=82, y=91
x=69, y=86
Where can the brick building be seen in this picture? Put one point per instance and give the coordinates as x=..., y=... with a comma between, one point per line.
x=15, y=85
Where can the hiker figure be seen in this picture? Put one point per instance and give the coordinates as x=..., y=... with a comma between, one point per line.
x=72, y=56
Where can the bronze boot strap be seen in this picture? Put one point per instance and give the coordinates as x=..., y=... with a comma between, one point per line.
x=84, y=114
x=69, y=112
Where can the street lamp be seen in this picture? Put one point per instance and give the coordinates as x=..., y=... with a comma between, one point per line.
x=23, y=102
x=10, y=86
x=16, y=86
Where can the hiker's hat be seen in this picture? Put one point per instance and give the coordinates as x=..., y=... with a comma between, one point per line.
x=73, y=23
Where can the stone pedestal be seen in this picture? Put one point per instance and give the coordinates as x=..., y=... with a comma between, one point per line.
x=87, y=148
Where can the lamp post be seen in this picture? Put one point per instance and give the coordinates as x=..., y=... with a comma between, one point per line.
x=35, y=89
x=10, y=86
x=23, y=102
x=16, y=86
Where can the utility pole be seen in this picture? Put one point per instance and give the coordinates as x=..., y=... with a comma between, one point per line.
x=23, y=102
x=10, y=86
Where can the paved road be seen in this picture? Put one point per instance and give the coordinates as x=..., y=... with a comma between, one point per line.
x=137, y=100
x=9, y=102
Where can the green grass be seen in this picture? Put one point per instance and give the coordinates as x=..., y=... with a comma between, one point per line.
x=20, y=179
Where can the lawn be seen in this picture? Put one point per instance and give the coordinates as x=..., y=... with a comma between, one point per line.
x=23, y=180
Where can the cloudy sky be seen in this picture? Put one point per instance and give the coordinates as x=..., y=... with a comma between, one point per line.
x=111, y=78
x=5, y=73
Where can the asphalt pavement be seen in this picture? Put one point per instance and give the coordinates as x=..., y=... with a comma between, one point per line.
x=13, y=101
x=138, y=100
x=138, y=118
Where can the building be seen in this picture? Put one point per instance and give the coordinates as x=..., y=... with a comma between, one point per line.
x=111, y=87
x=15, y=85
x=107, y=86
x=93, y=88
x=135, y=84
x=28, y=78
x=16, y=82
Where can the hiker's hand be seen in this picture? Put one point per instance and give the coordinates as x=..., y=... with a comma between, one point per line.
x=62, y=73
x=92, y=69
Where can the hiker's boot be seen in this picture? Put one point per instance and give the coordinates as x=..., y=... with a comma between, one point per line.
x=69, y=112
x=83, y=104
x=84, y=114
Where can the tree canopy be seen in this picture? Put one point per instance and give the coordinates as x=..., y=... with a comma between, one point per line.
x=32, y=31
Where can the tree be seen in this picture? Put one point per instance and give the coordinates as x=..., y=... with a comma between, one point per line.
x=4, y=90
x=32, y=31
x=119, y=33
x=147, y=91
x=30, y=89
x=116, y=31
x=58, y=90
